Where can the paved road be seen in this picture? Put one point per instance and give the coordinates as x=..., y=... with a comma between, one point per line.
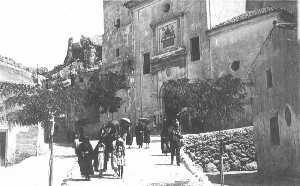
x=144, y=167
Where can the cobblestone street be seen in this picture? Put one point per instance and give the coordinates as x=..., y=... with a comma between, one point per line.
x=143, y=167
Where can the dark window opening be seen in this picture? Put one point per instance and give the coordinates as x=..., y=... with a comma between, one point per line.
x=166, y=7
x=235, y=65
x=118, y=23
x=274, y=130
x=269, y=78
x=288, y=116
x=80, y=79
x=195, y=50
x=117, y=52
x=146, y=66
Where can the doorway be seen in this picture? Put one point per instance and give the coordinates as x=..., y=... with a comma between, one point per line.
x=2, y=148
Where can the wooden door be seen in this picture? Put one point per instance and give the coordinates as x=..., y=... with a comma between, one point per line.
x=2, y=148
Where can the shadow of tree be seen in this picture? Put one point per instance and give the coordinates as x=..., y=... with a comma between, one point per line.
x=176, y=183
x=64, y=156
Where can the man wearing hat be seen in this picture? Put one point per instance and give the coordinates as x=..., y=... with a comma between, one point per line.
x=175, y=137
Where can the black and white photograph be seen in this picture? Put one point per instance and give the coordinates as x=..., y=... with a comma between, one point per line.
x=149, y=93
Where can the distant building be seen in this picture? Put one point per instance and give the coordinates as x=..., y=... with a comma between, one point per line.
x=83, y=59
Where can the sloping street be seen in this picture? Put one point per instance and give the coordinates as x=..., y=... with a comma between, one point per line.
x=143, y=167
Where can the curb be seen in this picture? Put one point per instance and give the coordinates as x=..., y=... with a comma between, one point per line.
x=194, y=170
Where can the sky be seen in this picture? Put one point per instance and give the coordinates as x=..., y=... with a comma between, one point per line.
x=36, y=32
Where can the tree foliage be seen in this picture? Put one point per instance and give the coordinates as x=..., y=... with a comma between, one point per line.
x=36, y=104
x=212, y=102
x=102, y=91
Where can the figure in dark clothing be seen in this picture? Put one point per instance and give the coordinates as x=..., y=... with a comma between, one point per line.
x=139, y=134
x=108, y=139
x=85, y=156
x=129, y=137
x=147, y=132
x=175, y=137
x=165, y=142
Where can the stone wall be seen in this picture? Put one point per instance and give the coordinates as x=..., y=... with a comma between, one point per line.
x=281, y=100
x=14, y=74
x=118, y=37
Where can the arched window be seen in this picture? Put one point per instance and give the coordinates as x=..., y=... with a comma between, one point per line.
x=288, y=116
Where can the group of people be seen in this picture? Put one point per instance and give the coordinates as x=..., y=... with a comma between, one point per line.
x=112, y=139
x=142, y=133
x=110, y=146
x=171, y=141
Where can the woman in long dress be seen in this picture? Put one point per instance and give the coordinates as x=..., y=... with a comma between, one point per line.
x=129, y=137
x=85, y=156
x=147, y=135
x=139, y=133
x=99, y=157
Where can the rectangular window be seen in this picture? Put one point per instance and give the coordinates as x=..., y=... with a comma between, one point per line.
x=195, y=50
x=274, y=130
x=146, y=66
x=117, y=52
x=269, y=78
x=118, y=23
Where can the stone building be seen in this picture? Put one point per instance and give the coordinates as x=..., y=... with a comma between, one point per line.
x=118, y=53
x=235, y=44
x=171, y=39
x=170, y=42
x=276, y=76
x=83, y=59
x=16, y=141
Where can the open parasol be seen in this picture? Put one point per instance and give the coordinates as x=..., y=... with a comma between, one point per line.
x=126, y=120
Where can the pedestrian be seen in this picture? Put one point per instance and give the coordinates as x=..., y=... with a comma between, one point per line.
x=175, y=139
x=99, y=157
x=85, y=156
x=109, y=137
x=139, y=134
x=129, y=137
x=147, y=132
x=120, y=155
x=164, y=136
x=76, y=143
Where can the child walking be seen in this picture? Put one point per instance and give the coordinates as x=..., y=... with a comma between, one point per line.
x=120, y=155
x=99, y=161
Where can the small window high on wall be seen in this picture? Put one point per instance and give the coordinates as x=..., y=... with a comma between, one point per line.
x=117, y=52
x=195, y=50
x=269, y=78
x=274, y=130
x=146, y=66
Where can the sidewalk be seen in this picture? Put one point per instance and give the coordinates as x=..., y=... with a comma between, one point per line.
x=34, y=171
x=144, y=167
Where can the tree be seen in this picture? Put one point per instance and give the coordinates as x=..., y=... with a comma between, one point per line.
x=102, y=91
x=37, y=104
x=211, y=102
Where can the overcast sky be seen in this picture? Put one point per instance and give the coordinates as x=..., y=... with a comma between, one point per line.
x=36, y=31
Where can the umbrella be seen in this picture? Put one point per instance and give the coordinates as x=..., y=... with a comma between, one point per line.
x=144, y=120
x=126, y=120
